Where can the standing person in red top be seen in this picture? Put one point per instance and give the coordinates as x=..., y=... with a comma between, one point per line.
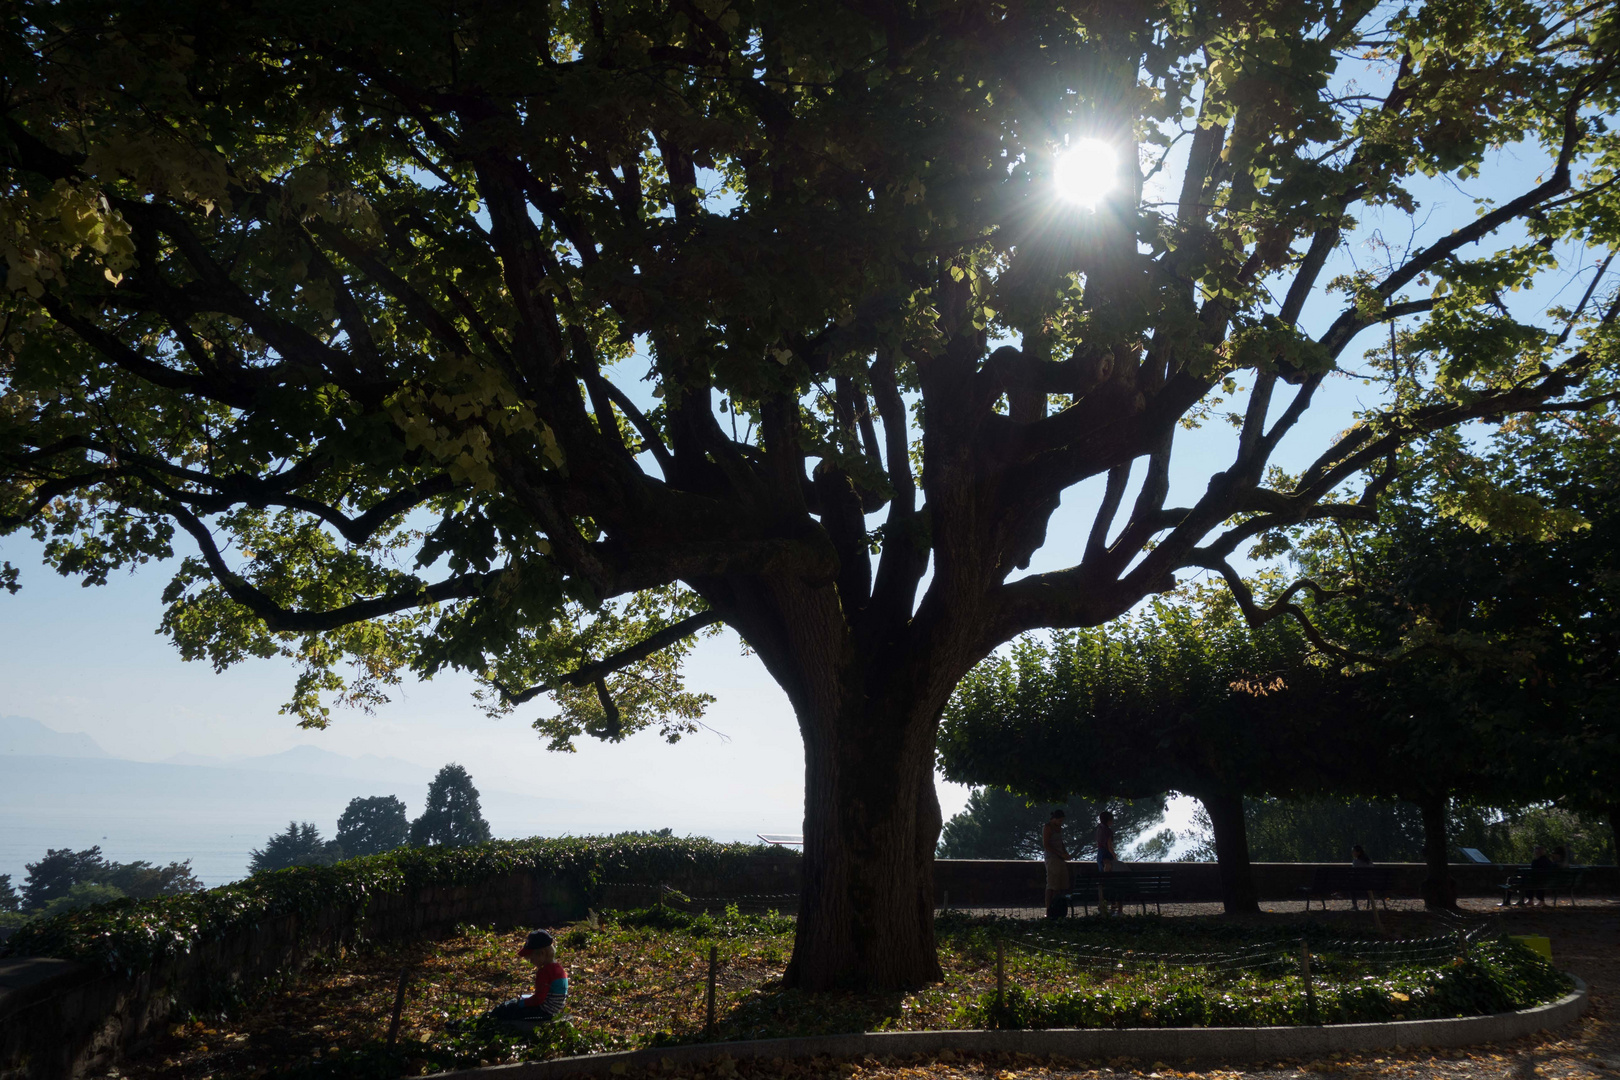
x=550, y=983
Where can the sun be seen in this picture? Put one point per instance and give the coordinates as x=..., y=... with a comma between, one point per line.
x=1086, y=172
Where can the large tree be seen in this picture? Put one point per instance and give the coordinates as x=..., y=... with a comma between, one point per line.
x=356, y=299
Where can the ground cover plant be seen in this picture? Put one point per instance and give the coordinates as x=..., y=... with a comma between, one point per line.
x=638, y=979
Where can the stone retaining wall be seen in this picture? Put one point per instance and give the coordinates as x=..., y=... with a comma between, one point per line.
x=998, y=883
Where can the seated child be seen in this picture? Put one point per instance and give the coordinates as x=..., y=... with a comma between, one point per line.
x=550, y=983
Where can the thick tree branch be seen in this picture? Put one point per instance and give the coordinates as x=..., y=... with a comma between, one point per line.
x=1258, y=616
x=596, y=671
x=287, y=620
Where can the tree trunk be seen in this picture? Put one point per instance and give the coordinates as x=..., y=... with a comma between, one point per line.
x=871, y=822
x=1614, y=828
x=1232, y=851
x=1439, y=891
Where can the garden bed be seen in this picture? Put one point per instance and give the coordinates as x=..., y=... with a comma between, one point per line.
x=638, y=979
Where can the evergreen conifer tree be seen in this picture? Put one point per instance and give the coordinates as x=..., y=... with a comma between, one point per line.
x=298, y=845
x=452, y=817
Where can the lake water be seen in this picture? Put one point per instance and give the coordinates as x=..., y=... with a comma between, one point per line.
x=215, y=816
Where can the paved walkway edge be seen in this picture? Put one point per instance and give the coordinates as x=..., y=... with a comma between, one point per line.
x=1148, y=1044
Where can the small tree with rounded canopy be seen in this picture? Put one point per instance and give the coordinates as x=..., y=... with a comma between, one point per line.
x=372, y=826
x=452, y=817
x=532, y=339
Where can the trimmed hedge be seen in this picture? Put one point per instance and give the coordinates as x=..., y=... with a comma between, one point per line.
x=129, y=936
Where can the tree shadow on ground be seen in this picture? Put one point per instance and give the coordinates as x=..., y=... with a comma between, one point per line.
x=773, y=1011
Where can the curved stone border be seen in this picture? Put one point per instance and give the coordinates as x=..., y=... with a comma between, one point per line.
x=1150, y=1044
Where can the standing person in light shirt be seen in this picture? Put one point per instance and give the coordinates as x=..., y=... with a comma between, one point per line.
x=1057, y=860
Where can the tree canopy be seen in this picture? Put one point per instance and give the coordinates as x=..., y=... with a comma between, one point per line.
x=372, y=826
x=533, y=339
x=1183, y=697
x=1488, y=584
x=52, y=881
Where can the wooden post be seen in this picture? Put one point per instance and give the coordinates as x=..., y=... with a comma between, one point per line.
x=399, y=1007
x=946, y=902
x=1305, y=974
x=714, y=964
x=1001, y=974
x=659, y=901
x=1378, y=923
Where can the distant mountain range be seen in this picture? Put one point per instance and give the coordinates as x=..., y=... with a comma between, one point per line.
x=62, y=789
x=21, y=735
x=310, y=760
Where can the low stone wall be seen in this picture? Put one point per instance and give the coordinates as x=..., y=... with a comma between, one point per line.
x=998, y=883
x=763, y=880
x=1237, y=1044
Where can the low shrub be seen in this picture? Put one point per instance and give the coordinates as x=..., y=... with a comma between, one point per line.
x=1497, y=976
x=131, y=935
x=700, y=924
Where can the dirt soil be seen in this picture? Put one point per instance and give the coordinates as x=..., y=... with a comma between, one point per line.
x=350, y=1002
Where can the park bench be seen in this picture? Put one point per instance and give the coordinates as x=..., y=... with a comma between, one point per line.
x=1352, y=882
x=1139, y=887
x=1526, y=881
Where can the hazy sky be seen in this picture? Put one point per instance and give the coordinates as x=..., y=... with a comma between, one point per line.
x=88, y=659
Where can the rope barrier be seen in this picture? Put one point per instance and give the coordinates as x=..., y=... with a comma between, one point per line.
x=1338, y=955
x=754, y=900
x=1280, y=954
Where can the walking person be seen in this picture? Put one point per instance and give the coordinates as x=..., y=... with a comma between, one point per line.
x=1540, y=863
